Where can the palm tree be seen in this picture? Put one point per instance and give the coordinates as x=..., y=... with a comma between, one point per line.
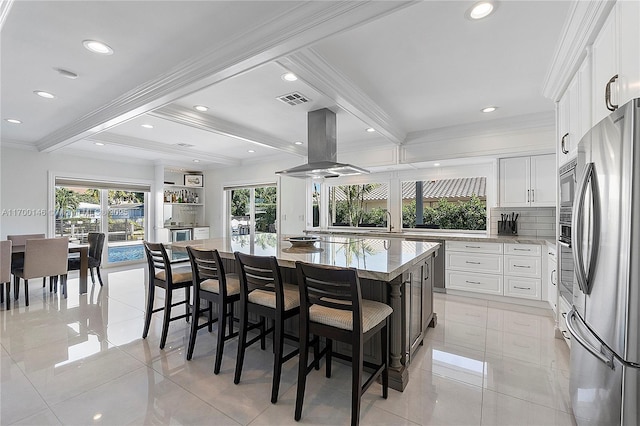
x=66, y=200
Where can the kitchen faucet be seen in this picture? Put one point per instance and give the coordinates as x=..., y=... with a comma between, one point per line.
x=389, y=225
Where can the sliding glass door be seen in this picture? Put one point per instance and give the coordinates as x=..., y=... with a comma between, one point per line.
x=120, y=213
x=252, y=210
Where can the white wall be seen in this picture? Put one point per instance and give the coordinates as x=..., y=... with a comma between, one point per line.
x=24, y=184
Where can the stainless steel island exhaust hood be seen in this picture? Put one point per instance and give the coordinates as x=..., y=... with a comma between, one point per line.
x=322, y=150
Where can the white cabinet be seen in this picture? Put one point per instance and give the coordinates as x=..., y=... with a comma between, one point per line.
x=513, y=270
x=551, y=279
x=528, y=181
x=523, y=271
x=616, y=60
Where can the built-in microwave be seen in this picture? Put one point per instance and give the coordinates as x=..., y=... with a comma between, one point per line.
x=568, y=179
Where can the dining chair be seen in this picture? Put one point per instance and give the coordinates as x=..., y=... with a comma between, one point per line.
x=43, y=257
x=331, y=306
x=18, y=261
x=263, y=293
x=210, y=283
x=96, y=245
x=163, y=274
x=5, y=270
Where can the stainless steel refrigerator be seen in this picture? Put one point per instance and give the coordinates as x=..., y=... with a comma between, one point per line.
x=605, y=344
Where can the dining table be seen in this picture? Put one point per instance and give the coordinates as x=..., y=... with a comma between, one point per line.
x=83, y=249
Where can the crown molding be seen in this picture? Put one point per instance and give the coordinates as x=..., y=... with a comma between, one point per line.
x=583, y=23
x=16, y=144
x=500, y=126
x=187, y=117
x=295, y=29
x=311, y=67
x=152, y=146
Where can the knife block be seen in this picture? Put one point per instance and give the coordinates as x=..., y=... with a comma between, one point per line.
x=507, y=227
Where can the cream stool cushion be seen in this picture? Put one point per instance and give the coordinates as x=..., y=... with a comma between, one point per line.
x=268, y=298
x=213, y=286
x=373, y=313
x=178, y=275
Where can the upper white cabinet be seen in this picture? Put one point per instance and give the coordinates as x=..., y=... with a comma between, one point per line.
x=528, y=181
x=616, y=60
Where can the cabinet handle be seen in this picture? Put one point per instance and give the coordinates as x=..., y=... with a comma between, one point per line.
x=528, y=195
x=562, y=144
x=607, y=94
x=522, y=266
x=473, y=282
x=554, y=282
x=522, y=288
x=519, y=249
x=473, y=263
x=564, y=315
x=472, y=246
x=564, y=334
x=533, y=195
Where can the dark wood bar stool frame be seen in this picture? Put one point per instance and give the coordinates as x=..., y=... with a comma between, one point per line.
x=339, y=289
x=161, y=274
x=261, y=273
x=207, y=265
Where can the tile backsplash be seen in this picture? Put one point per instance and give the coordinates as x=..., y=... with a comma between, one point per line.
x=533, y=221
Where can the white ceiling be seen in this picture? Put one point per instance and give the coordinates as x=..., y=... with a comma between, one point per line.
x=401, y=67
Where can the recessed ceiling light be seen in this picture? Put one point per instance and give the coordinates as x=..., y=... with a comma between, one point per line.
x=201, y=108
x=436, y=164
x=251, y=151
x=99, y=143
x=13, y=121
x=147, y=126
x=297, y=143
x=289, y=77
x=480, y=10
x=43, y=94
x=489, y=109
x=196, y=161
x=97, y=47
x=371, y=130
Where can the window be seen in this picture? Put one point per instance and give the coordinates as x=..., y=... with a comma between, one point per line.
x=252, y=209
x=362, y=205
x=458, y=203
x=80, y=206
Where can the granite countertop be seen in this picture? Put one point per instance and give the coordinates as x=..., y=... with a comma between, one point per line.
x=447, y=236
x=374, y=257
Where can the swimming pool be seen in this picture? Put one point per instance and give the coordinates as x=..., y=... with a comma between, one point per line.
x=126, y=253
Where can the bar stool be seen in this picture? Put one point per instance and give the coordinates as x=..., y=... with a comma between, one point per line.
x=331, y=306
x=161, y=274
x=212, y=284
x=263, y=293
x=5, y=270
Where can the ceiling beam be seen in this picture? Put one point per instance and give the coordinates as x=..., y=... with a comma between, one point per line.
x=147, y=145
x=187, y=117
x=304, y=24
x=313, y=69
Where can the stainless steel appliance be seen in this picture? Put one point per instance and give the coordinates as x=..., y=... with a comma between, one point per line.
x=605, y=317
x=181, y=235
x=567, y=179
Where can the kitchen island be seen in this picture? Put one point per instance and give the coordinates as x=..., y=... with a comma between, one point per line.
x=391, y=270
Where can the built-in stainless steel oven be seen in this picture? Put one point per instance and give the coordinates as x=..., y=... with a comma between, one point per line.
x=566, y=276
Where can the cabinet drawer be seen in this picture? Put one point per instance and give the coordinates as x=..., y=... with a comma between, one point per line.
x=523, y=266
x=479, y=262
x=473, y=247
x=523, y=249
x=481, y=283
x=526, y=288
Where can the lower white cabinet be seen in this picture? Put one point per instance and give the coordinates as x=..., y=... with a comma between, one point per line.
x=551, y=279
x=513, y=270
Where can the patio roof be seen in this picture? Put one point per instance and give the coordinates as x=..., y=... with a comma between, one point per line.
x=432, y=190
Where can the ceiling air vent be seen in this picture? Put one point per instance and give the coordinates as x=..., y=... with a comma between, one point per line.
x=185, y=145
x=293, y=99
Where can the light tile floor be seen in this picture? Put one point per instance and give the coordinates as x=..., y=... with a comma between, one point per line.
x=82, y=361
